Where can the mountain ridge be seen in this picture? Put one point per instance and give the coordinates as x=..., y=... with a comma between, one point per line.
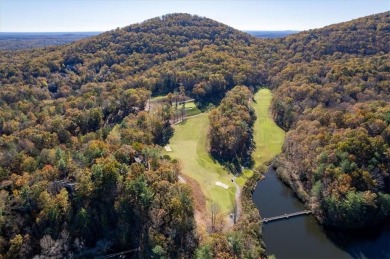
x=79, y=156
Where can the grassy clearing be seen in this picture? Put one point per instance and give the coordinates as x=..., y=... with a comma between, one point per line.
x=190, y=105
x=191, y=109
x=268, y=137
x=189, y=145
x=246, y=174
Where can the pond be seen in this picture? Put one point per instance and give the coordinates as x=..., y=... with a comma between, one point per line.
x=303, y=237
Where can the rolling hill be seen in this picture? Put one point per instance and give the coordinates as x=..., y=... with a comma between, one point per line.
x=80, y=164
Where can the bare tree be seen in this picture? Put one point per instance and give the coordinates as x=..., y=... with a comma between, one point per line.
x=51, y=248
x=214, y=212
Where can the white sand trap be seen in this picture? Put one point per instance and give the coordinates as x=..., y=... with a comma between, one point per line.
x=222, y=185
x=168, y=148
x=181, y=179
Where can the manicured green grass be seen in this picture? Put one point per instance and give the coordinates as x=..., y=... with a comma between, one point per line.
x=191, y=109
x=190, y=105
x=189, y=145
x=246, y=174
x=268, y=137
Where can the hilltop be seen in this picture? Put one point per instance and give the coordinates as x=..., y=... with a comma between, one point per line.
x=80, y=163
x=80, y=159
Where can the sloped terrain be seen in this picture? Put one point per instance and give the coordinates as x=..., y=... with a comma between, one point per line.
x=80, y=164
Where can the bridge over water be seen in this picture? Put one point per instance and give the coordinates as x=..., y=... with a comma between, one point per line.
x=286, y=216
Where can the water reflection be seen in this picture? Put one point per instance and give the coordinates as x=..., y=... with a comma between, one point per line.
x=303, y=237
x=368, y=243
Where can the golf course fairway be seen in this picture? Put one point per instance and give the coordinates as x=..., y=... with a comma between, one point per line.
x=189, y=145
x=268, y=137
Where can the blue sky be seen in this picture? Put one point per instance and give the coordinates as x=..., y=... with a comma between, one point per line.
x=102, y=15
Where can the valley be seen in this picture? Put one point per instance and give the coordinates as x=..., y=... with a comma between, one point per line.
x=84, y=171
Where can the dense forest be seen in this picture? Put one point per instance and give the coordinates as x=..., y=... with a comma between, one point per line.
x=231, y=133
x=334, y=103
x=81, y=171
x=80, y=165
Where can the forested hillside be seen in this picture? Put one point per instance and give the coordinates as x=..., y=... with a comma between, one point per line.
x=158, y=55
x=334, y=99
x=80, y=164
x=80, y=169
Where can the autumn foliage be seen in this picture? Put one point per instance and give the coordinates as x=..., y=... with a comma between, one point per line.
x=231, y=133
x=80, y=165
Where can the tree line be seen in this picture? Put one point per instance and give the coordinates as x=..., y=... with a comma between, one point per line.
x=231, y=129
x=80, y=168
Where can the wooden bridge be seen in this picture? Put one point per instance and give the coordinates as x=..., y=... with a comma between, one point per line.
x=286, y=216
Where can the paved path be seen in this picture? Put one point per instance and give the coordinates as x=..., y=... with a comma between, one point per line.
x=238, y=198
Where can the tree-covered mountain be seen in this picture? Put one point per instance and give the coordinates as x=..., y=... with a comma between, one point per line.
x=333, y=98
x=360, y=37
x=80, y=168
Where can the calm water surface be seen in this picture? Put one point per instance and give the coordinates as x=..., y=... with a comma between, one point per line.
x=303, y=237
